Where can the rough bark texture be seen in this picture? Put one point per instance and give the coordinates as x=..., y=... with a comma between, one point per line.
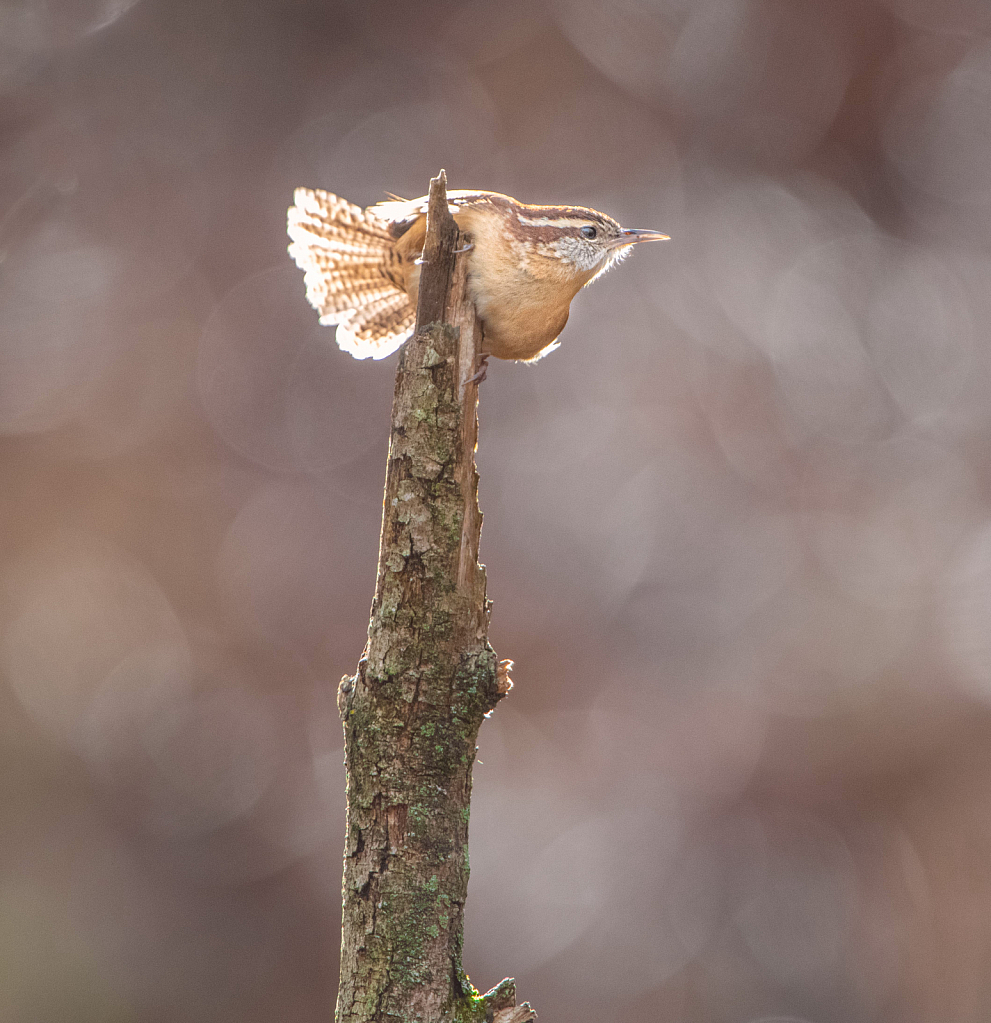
x=427, y=678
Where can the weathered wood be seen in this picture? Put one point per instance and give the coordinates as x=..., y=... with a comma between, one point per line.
x=428, y=676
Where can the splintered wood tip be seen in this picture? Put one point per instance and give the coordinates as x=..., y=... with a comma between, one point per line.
x=437, y=210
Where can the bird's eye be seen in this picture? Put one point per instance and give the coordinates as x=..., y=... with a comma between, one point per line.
x=589, y=231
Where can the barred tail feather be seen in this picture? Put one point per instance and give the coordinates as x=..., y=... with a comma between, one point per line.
x=378, y=329
x=346, y=254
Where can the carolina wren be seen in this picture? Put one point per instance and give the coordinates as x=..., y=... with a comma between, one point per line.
x=526, y=264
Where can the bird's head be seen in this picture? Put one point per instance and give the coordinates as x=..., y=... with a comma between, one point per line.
x=585, y=241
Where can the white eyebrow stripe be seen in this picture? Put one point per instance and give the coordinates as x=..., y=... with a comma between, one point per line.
x=550, y=221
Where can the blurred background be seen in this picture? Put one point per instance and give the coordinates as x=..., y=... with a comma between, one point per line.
x=738, y=529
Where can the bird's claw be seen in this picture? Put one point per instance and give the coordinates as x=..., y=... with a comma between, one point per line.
x=483, y=368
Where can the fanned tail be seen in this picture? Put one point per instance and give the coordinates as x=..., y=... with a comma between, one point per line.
x=347, y=257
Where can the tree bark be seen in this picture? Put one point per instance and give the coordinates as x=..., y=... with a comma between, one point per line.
x=426, y=680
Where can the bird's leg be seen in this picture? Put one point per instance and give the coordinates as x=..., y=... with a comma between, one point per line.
x=483, y=367
x=467, y=247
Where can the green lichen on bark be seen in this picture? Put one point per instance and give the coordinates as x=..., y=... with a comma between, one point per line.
x=428, y=676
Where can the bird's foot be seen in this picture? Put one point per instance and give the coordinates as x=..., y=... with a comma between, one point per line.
x=483, y=368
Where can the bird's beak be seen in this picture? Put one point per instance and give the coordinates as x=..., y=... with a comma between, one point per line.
x=632, y=235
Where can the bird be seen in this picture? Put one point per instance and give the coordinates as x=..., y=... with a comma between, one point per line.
x=526, y=263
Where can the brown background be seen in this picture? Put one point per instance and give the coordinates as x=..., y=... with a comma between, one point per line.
x=738, y=530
